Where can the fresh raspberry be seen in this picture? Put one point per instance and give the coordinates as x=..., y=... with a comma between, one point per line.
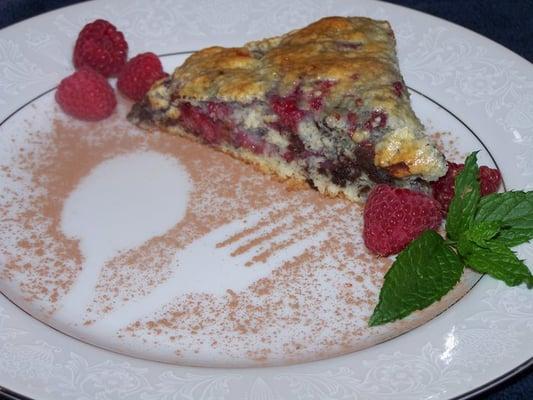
x=86, y=95
x=393, y=217
x=102, y=47
x=489, y=180
x=444, y=188
x=139, y=74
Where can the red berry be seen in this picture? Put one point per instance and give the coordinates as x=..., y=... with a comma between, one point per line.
x=352, y=118
x=444, y=188
x=378, y=119
x=316, y=103
x=324, y=87
x=139, y=74
x=220, y=111
x=489, y=180
x=86, y=95
x=398, y=88
x=287, y=110
x=199, y=122
x=393, y=217
x=102, y=47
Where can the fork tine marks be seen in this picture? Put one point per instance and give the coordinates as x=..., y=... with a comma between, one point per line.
x=238, y=236
x=273, y=227
x=299, y=233
x=295, y=248
x=270, y=219
x=237, y=229
x=258, y=240
x=283, y=235
x=266, y=254
x=274, y=214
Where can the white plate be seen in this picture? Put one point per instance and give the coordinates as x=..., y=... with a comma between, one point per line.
x=477, y=85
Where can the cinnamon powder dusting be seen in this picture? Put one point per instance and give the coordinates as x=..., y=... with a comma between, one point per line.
x=312, y=304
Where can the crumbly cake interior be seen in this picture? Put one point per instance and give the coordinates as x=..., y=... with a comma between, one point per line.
x=325, y=104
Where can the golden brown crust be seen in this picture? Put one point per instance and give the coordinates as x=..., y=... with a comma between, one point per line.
x=320, y=51
x=355, y=54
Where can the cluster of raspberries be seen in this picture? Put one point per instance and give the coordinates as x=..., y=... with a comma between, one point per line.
x=100, y=52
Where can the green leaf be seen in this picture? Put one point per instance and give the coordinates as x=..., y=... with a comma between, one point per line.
x=423, y=272
x=465, y=246
x=480, y=232
x=464, y=204
x=499, y=261
x=515, y=212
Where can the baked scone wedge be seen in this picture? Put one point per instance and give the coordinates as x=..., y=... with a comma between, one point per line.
x=325, y=104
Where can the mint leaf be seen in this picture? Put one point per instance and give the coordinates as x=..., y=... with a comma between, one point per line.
x=463, y=207
x=423, y=272
x=480, y=232
x=465, y=246
x=499, y=261
x=515, y=212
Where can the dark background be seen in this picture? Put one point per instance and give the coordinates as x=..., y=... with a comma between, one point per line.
x=508, y=22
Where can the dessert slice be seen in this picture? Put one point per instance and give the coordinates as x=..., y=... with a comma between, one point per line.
x=325, y=104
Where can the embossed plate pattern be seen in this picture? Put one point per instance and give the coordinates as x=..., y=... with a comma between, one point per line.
x=479, y=339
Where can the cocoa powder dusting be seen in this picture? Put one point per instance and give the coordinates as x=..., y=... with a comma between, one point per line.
x=445, y=142
x=313, y=305
x=50, y=171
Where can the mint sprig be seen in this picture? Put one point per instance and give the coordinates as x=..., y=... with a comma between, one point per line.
x=480, y=232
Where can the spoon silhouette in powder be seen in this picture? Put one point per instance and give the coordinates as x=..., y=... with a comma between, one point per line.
x=121, y=204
